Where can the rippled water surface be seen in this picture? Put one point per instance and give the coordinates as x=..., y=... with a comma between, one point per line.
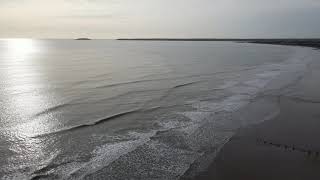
x=120, y=109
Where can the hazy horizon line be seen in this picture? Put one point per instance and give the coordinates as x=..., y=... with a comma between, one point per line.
x=162, y=38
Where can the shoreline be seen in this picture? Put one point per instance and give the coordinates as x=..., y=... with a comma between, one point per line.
x=284, y=147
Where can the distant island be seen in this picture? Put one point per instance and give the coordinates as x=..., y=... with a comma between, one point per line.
x=82, y=39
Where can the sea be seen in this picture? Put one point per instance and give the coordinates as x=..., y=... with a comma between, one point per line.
x=108, y=109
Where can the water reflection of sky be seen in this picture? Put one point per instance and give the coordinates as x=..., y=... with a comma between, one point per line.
x=20, y=80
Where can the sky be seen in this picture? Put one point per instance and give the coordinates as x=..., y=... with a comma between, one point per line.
x=160, y=18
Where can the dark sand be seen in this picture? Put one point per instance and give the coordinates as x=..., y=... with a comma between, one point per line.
x=286, y=147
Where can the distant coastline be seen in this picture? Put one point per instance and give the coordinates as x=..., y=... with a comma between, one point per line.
x=86, y=39
x=293, y=42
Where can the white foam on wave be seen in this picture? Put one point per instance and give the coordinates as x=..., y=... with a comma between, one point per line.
x=228, y=84
x=196, y=118
x=273, y=73
x=104, y=155
x=229, y=104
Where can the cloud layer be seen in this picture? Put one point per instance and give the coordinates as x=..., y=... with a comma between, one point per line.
x=159, y=18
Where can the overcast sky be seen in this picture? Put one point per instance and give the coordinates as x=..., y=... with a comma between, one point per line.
x=160, y=18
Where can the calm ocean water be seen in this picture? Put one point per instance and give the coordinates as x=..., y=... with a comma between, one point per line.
x=126, y=109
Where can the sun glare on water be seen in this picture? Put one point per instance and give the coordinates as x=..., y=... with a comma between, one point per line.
x=21, y=48
x=21, y=82
x=23, y=76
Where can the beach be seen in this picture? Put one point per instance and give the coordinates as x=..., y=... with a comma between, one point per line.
x=285, y=147
x=106, y=109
